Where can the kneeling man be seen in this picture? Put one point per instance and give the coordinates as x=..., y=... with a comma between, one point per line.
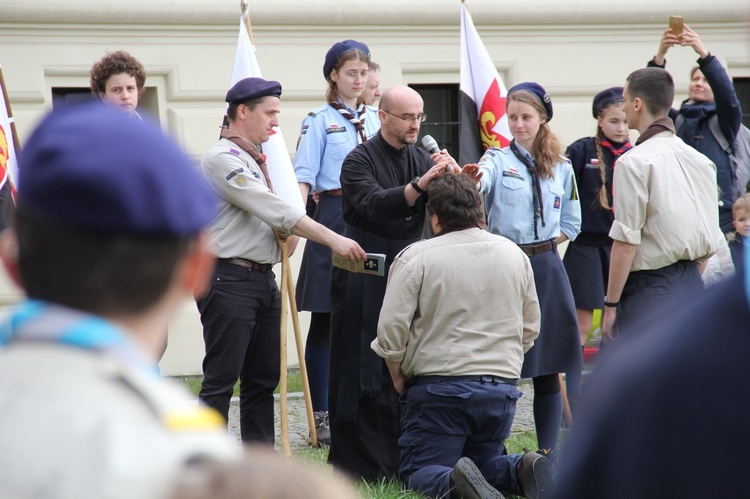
x=460, y=310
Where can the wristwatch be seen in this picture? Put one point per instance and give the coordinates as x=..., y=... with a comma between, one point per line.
x=415, y=184
x=611, y=304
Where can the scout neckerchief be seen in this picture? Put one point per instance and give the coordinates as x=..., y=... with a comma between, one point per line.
x=616, y=151
x=41, y=322
x=536, y=186
x=359, y=124
x=654, y=128
x=252, y=150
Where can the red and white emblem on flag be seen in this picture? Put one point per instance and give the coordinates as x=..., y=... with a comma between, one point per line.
x=484, y=123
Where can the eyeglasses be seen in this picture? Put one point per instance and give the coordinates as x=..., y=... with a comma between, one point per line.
x=420, y=117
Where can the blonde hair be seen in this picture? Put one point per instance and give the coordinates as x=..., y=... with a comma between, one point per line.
x=332, y=94
x=547, y=148
x=742, y=204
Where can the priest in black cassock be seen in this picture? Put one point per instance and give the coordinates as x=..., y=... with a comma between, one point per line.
x=383, y=182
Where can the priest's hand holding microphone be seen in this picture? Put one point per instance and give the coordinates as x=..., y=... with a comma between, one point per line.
x=438, y=155
x=443, y=162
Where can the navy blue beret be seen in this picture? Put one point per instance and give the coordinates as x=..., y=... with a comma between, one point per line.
x=538, y=91
x=338, y=50
x=605, y=98
x=253, y=88
x=93, y=168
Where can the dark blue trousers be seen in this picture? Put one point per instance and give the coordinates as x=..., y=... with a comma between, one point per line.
x=445, y=420
x=241, y=316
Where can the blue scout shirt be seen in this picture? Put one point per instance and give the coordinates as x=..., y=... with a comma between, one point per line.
x=510, y=210
x=325, y=140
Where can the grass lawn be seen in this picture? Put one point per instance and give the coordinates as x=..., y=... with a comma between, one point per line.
x=385, y=489
x=193, y=383
x=381, y=490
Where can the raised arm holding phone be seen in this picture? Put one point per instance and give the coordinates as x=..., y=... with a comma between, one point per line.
x=710, y=93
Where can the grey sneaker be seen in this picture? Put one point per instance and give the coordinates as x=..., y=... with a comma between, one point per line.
x=322, y=428
x=536, y=476
x=549, y=454
x=467, y=482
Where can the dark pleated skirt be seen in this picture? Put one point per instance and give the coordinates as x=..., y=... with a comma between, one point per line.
x=588, y=270
x=558, y=347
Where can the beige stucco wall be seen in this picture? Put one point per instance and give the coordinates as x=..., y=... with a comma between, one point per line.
x=573, y=47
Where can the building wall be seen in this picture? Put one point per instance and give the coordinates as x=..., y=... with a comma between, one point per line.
x=573, y=47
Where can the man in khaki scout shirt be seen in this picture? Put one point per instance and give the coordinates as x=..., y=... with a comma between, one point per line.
x=241, y=310
x=666, y=208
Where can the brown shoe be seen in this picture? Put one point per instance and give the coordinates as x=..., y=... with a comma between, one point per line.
x=467, y=482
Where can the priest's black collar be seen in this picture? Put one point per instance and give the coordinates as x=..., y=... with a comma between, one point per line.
x=388, y=148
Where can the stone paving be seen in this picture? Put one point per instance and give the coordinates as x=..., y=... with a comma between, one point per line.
x=298, y=430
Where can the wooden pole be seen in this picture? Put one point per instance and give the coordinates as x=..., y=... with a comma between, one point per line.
x=301, y=356
x=287, y=296
x=243, y=6
x=283, y=371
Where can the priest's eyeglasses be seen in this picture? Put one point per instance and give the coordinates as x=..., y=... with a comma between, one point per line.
x=409, y=117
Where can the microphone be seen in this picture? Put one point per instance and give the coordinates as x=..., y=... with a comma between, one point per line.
x=432, y=146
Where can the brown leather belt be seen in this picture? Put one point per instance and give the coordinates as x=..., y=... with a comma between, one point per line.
x=332, y=192
x=535, y=249
x=247, y=264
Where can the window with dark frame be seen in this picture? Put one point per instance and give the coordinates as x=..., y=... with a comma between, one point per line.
x=63, y=96
x=443, y=118
x=742, y=87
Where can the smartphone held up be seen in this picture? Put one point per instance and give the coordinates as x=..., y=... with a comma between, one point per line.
x=676, y=24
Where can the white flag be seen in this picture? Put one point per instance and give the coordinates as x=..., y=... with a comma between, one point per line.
x=484, y=123
x=279, y=164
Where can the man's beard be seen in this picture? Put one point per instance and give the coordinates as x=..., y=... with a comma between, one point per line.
x=405, y=140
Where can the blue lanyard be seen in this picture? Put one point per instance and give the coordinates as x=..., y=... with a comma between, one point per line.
x=746, y=256
x=82, y=331
x=42, y=322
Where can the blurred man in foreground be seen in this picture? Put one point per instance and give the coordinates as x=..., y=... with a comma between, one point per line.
x=107, y=243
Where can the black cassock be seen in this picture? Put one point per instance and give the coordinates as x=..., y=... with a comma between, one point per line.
x=363, y=405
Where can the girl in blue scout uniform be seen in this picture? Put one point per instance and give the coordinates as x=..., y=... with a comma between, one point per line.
x=532, y=199
x=587, y=258
x=327, y=136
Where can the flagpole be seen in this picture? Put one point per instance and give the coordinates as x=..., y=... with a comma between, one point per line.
x=243, y=6
x=287, y=296
x=283, y=372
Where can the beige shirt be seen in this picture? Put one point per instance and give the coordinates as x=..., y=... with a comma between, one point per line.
x=248, y=211
x=77, y=423
x=666, y=202
x=461, y=303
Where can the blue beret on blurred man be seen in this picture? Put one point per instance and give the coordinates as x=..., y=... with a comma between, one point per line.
x=107, y=242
